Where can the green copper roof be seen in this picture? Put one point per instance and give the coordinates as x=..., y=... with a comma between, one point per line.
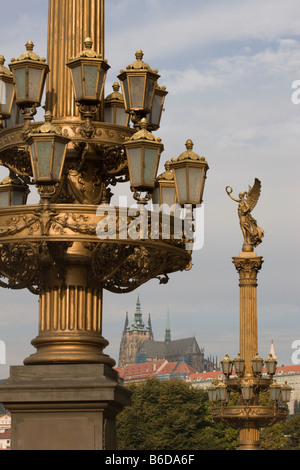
x=137, y=324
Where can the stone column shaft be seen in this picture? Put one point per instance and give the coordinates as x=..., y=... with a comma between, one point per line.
x=70, y=23
x=248, y=265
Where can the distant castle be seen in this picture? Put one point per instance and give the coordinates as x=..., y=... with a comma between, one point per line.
x=138, y=346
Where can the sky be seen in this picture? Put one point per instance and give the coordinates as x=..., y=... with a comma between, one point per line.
x=229, y=67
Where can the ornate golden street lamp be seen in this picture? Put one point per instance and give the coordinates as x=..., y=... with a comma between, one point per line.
x=138, y=83
x=7, y=90
x=143, y=155
x=249, y=415
x=88, y=71
x=29, y=73
x=114, y=108
x=154, y=117
x=164, y=194
x=13, y=191
x=58, y=248
x=190, y=174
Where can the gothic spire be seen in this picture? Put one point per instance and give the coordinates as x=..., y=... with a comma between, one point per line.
x=168, y=330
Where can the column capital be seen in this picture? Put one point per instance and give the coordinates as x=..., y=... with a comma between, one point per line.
x=248, y=267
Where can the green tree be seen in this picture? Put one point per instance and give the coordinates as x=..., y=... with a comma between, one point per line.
x=171, y=415
x=284, y=435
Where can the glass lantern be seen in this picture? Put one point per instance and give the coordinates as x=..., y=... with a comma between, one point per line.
x=190, y=175
x=29, y=73
x=88, y=71
x=138, y=86
x=222, y=393
x=239, y=364
x=286, y=391
x=257, y=365
x=114, y=108
x=47, y=148
x=154, y=117
x=247, y=390
x=227, y=365
x=7, y=90
x=275, y=392
x=212, y=393
x=271, y=364
x=13, y=191
x=164, y=193
x=143, y=154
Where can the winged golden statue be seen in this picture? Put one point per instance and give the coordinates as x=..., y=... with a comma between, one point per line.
x=252, y=234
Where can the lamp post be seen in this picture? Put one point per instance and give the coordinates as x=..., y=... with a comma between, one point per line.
x=67, y=394
x=29, y=74
x=249, y=415
x=7, y=91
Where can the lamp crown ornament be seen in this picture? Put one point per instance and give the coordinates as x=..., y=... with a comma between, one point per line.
x=115, y=95
x=88, y=51
x=4, y=70
x=189, y=154
x=29, y=54
x=139, y=64
x=168, y=174
x=143, y=133
x=48, y=127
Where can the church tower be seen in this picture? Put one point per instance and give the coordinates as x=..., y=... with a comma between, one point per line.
x=133, y=336
x=168, y=331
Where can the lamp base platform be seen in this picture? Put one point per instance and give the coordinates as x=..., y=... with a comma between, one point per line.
x=64, y=407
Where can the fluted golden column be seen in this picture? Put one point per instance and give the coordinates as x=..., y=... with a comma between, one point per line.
x=248, y=265
x=70, y=315
x=69, y=24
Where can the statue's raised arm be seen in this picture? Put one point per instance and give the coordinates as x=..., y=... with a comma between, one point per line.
x=252, y=234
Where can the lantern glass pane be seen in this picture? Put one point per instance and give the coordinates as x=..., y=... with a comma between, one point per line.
x=168, y=195
x=126, y=93
x=6, y=96
x=20, y=78
x=17, y=198
x=195, y=180
x=137, y=92
x=156, y=198
x=121, y=117
x=181, y=184
x=34, y=84
x=109, y=115
x=58, y=155
x=156, y=109
x=33, y=161
x=247, y=393
x=150, y=84
x=275, y=393
x=91, y=76
x=77, y=79
x=44, y=150
x=150, y=165
x=102, y=75
x=135, y=164
x=4, y=198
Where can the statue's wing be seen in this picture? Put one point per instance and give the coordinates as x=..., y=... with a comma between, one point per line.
x=253, y=194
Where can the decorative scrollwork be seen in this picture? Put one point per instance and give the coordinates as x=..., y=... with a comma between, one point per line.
x=122, y=268
x=78, y=224
x=19, y=264
x=18, y=161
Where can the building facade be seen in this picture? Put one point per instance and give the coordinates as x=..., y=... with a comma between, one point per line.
x=138, y=346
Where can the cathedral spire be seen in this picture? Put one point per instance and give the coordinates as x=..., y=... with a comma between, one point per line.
x=126, y=322
x=138, y=323
x=168, y=330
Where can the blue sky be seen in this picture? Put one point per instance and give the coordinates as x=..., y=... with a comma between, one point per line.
x=229, y=66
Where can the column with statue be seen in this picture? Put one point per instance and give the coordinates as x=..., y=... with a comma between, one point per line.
x=244, y=375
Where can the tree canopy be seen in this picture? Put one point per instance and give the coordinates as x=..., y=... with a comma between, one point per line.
x=171, y=415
